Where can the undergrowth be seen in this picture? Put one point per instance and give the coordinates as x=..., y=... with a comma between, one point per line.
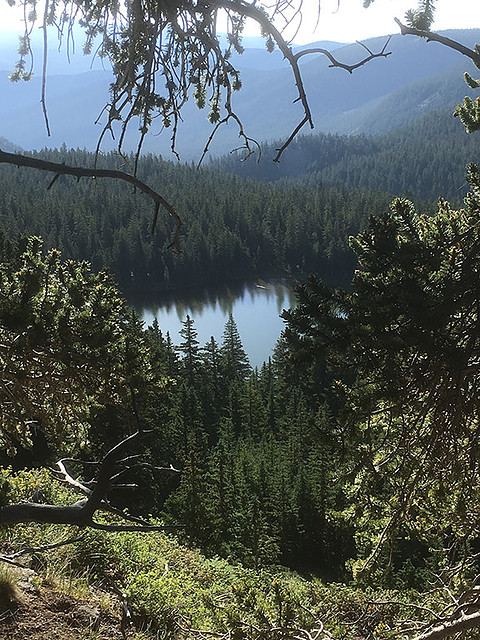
x=175, y=592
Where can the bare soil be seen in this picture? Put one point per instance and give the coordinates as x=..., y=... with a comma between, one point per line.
x=44, y=613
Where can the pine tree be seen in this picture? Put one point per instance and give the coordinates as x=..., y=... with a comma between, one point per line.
x=213, y=388
x=190, y=349
x=235, y=360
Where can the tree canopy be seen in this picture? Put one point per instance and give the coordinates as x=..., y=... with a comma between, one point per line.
x=401, y=352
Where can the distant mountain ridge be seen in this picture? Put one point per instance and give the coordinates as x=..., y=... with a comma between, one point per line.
x=382, y=95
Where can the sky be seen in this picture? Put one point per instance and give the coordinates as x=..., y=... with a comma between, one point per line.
x=351, y=21
x=347, y=23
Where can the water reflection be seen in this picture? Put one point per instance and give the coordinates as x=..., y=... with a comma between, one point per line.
x=256, y=308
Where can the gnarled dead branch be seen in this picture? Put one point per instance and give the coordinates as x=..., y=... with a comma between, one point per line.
x=431, y=36
x=82, y=513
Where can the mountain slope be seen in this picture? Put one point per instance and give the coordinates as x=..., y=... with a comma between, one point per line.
x=426, y=158
x=381, y=95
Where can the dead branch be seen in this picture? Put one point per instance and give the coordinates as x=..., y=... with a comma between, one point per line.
x=84, y=172
x=12, y=563
x=431, y=36
x=66, y=477
x=11, y=558
x=450, y=627
x=251, y=11
x=317, y=632
x=82, y=513
x=44, y=547
x=417, y=607
x=341, y=65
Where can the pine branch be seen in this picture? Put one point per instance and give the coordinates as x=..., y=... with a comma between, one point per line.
x=431, y=36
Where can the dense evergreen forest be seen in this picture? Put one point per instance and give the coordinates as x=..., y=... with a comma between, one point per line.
x=235, y=229
x=256, y=448
x=242, y=220
x=350, y=455
x=424, y=159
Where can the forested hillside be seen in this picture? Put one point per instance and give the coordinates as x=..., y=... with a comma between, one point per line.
x=425, y=158
x=234, y=228
x=312, y=462
x=241, y=219
x=385, y=94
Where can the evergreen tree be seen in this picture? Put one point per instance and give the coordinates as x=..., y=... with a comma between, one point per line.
x=190, y=349
x=213, y=387
x=234, y=359
x=403, y=347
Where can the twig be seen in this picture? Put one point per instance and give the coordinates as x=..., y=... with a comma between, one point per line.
x=10, y=559
x=44, y=547
x=404, y=604
x=44, y=69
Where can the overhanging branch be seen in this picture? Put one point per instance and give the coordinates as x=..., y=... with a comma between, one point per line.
x=431, y=36
x=244, y=9
x=83, y=172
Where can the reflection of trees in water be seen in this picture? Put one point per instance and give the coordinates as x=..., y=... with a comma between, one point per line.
x=280, y=293
x=194, y=302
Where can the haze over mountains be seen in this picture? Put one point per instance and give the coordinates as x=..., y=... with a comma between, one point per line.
x=384, y=94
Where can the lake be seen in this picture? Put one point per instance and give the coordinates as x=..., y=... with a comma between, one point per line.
x=256, y=308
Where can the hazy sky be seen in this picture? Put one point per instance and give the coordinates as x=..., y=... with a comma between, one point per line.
x=352, y=22
x=348, y=23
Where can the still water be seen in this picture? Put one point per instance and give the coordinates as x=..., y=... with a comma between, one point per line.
x=255, y=307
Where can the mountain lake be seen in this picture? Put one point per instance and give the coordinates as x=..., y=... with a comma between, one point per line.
x=256, y=309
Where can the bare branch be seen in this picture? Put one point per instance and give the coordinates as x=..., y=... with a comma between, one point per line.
x=431, y=36
x=44, y=69
x=82, y=512
x=11, y=558
x=13, y=563
x=66, y=477
x=251, y=11
x=450, y=627
x=341, y=65
x=141, y=465
x=126, y=527
x=84, y=172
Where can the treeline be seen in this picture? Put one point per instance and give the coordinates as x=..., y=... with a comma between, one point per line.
x=234, y=228
x=423, y=159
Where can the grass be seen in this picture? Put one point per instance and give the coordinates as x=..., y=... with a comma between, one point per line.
x=9, y=593
x=172, y=590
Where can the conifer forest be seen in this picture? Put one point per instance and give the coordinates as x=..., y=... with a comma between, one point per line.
x=332, y=493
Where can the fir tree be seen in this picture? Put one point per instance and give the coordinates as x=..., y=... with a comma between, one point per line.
x=190, y=349
x=235, y=360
